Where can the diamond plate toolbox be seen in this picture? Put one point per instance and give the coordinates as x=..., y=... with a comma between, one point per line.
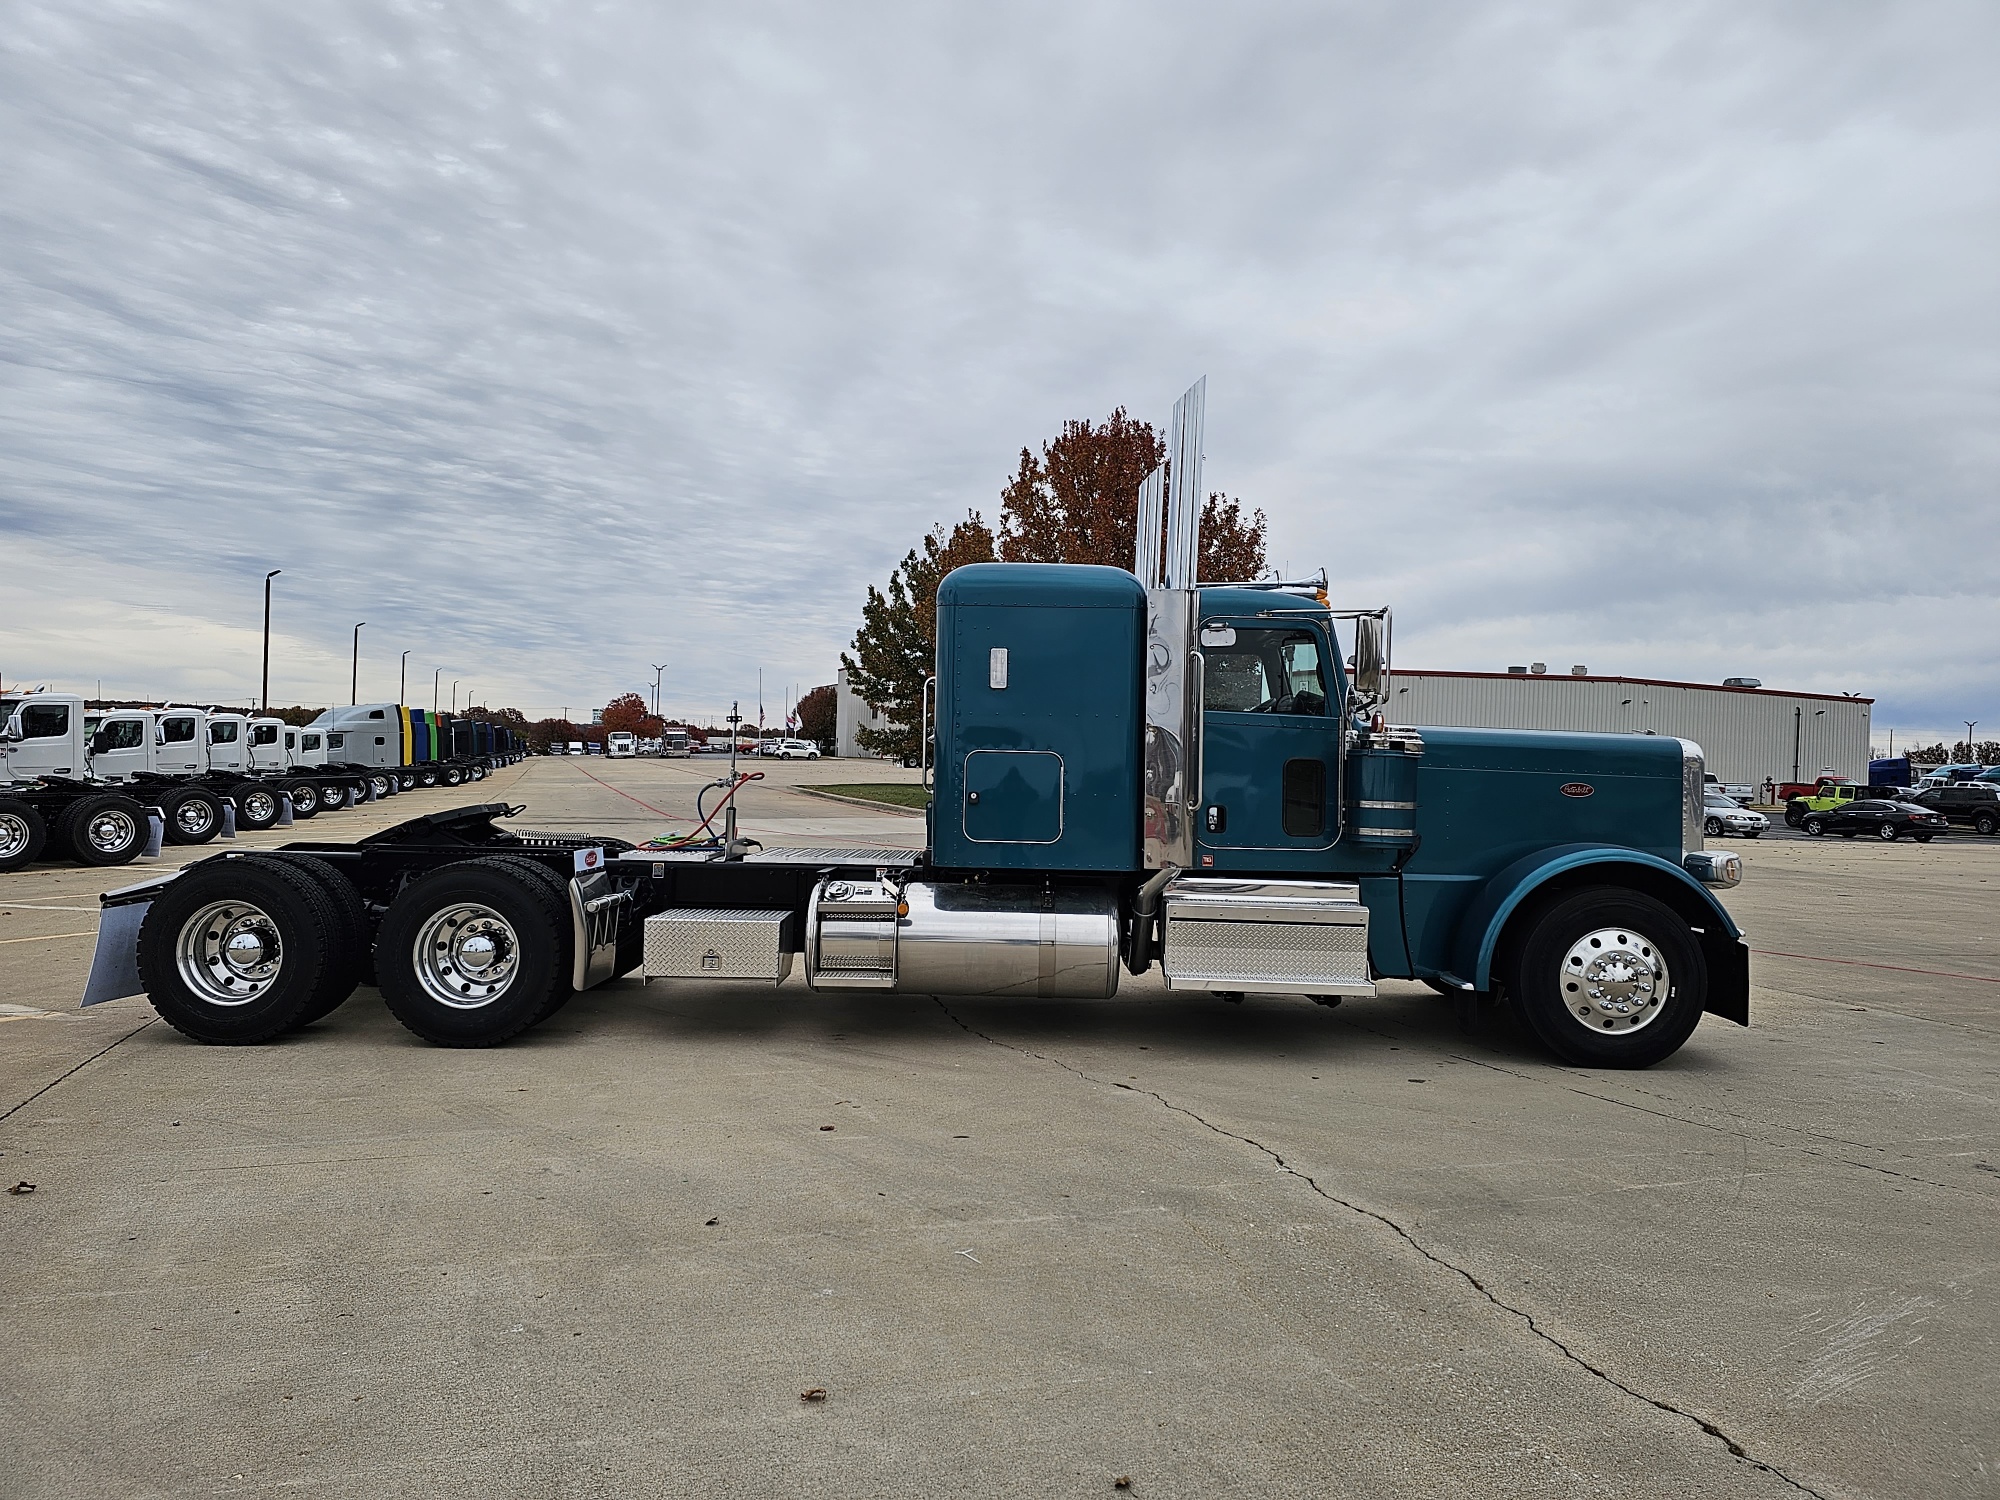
x=1290, y=937
x=695, y=944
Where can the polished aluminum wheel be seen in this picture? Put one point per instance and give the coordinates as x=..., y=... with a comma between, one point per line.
x=229, y=952
x=194, y=816
x=112, y=830
x=259, y=806
x=305, y=798
x=1615, y=979
x=14, y=834
x=466, y=955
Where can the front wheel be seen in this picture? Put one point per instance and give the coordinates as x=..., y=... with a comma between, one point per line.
x=1793, y=817
x=428, y=776
x=1713, y=828
x=256, y=808
x=1607, y=978
x=1887, y=832
x=1814, y=827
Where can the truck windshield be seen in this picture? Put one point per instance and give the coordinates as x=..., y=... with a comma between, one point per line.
x=1265, y=671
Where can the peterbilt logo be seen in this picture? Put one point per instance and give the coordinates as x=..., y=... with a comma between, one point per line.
x=1577, y=789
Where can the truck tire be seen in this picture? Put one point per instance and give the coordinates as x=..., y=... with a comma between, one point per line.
x=452, y=776
x=256, y=808
x=107, y=829
x=471, y=954
x=428, y=776
x=1606, y=977
x=235, y=951
x=558, y=890
x=193, y=816
x=407, y=780
x=1987, y=823
x=305, y=798
x=350, y=960
x=23, y=834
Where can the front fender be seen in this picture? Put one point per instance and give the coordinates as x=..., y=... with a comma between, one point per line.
x=1480, y=929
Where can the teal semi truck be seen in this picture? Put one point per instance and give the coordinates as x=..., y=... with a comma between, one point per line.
x=1130, y=771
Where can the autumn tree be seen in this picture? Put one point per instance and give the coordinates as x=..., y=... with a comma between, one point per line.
x=896, y=647
x=628, y=713
x=546, y=732
x=819, y=717
x=1078, y=502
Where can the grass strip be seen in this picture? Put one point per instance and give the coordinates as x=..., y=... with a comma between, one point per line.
x=895, y=793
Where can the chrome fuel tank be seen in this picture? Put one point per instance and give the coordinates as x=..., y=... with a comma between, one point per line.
x=953, y=939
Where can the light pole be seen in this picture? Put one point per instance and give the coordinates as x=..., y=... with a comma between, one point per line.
x=354, y=687
x=1970, y=725
x=658, y=668
x=265, y=696
x=403, y=683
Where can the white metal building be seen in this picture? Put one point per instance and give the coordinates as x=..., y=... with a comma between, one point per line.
x=1748, y=734
x=850, y=714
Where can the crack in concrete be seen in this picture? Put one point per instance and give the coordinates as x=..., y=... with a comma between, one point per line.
x=75, y=1070
x=1736, y=1450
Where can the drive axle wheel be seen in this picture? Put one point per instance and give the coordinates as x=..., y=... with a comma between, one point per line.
x=193, y=817
x=256, y=808
x=238, y=950
x=428, y=776
x=109, y=829
x=1606, y=977
x=22, y=834
x=305, y=798
x=473, y=954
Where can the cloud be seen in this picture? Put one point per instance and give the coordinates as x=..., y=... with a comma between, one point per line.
x=556, y=341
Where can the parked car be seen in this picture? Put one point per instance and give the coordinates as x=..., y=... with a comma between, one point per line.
x=1974, y=803
x=1834, y=795
x=1886, y=820
x=796, y=750
x=1723, y=814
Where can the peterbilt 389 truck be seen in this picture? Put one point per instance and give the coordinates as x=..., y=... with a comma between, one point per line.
x=1129, y=771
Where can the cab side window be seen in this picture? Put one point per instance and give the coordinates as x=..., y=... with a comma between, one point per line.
x=1265, y=671
x=177, y=731
x=222, y=734
x=264, y=734
x=124, y=734
x=40, y=721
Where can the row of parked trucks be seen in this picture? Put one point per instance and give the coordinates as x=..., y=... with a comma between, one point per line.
x=85, y=784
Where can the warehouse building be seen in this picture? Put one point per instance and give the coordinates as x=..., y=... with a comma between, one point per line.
x=1748, y=733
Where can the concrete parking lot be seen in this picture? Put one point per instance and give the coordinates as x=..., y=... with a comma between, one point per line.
x=1018, y=1249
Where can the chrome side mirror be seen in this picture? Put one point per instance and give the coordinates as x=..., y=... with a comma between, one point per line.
x=1371, y=658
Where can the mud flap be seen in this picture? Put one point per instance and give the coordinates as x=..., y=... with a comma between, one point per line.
x=596, y=914
x=114, y=967
x=1728, y=979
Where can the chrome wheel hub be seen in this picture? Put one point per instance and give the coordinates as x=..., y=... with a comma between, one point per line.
x=466, y=956
x=13, y=834
x=111, y=831
x=1615, y=979
x=193, y=815
x=260, y=805
x=229, y=952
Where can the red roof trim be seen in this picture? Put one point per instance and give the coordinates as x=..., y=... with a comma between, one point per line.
x=1706, y=687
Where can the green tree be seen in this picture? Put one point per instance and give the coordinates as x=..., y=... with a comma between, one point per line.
x=896, y=646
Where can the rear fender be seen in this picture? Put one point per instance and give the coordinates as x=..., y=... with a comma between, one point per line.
x=1485, y=923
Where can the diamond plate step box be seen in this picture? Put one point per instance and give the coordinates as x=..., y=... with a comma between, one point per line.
x=694, y=944
x=1293, y=937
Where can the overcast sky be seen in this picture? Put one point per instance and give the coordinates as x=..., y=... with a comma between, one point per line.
x=554, y=341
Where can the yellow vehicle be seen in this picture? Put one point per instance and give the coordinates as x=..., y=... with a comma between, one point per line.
x=1834, y=796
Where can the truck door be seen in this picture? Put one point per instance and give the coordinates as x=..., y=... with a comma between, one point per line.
x=225, y=744
x=1270, y=741
x=118, y=746
x=177, y=745
x=45, y=739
